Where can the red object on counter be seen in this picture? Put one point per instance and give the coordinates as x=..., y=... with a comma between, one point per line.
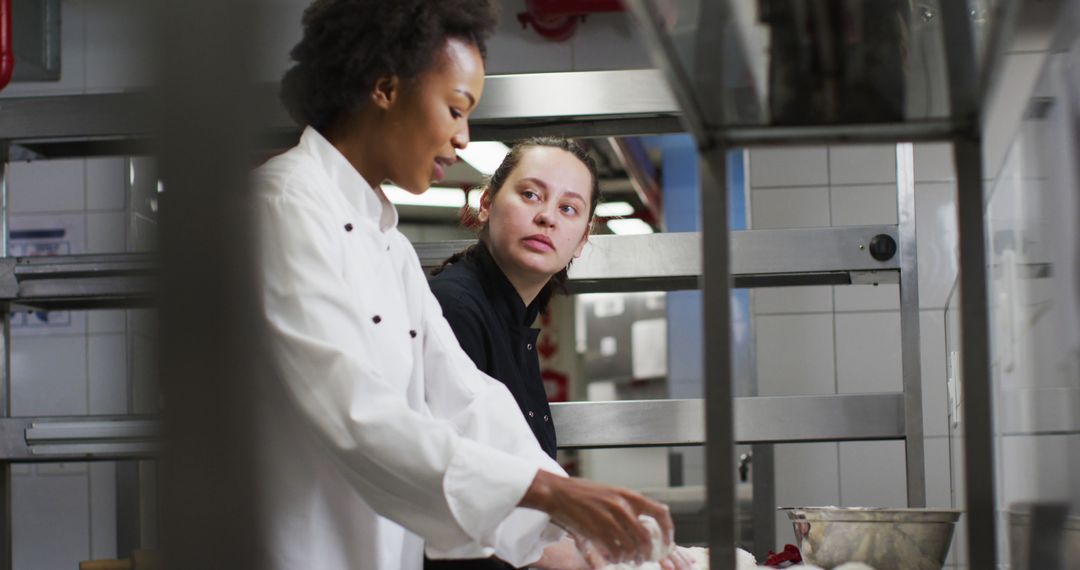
x=557, y=20
x=789, y=557
x=7, y=51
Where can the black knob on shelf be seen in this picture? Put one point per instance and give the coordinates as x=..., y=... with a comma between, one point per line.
x=882, y=247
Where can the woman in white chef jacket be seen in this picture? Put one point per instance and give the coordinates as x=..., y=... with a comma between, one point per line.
x=366, y=460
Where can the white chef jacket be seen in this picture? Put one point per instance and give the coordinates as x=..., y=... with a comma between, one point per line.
x=379, y=434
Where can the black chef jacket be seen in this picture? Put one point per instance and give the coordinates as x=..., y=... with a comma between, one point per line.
x=491, y=323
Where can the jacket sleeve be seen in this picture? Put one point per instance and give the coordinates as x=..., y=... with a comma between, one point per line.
x=426, y=473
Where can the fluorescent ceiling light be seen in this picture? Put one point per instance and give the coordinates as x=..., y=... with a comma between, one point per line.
x=614, y=209
x=629, y=226
x=484, y=156
x=435, y=196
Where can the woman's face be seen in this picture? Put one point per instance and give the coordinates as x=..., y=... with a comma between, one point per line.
x=428, y=117
x=539, y=220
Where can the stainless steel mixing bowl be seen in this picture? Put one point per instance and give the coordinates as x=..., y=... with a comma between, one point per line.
x=886, y=539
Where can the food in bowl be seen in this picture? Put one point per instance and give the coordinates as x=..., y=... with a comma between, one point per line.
x=883, y=538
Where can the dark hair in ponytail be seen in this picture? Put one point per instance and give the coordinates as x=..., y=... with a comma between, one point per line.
x=557, y=283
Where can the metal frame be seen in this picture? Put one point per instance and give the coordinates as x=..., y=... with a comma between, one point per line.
x=967, y=94
x=911, y=367
x=582, y=104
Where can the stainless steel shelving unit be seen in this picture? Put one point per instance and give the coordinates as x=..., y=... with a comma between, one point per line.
x=584, y=104
x=966, y=41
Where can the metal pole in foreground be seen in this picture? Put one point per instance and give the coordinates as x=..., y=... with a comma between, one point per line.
x=719, y=421
x=208, y=314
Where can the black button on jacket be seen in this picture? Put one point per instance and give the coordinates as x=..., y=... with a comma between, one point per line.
x=491, y=323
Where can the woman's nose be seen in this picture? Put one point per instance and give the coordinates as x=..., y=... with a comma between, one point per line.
x=461, y=139
x=544, y=218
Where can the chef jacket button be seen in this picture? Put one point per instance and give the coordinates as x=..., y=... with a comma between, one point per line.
x=412, y=334
x=528, y=346
x=546, y=418
x=531, y=414
x=348, y=227
x=376, y=319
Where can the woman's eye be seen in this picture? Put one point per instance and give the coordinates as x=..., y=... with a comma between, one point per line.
x=569, y=210
x=530, y=195
x=455, y=113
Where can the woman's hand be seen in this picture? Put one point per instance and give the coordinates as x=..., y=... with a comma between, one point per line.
x=603, y=515
x=679, y=559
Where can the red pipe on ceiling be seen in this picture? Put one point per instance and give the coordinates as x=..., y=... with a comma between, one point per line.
x=7, y=53
x=557, y=20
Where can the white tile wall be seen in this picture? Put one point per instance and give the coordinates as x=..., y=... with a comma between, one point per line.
x=48, y=375
x=802, y=166
x=778, y=208
x=807, y=474
x=869, y=474
x=774, y=300
x=862, y=164
x=880, y=297
x=1036, y=468
x=863, y=204
x=102, y=483
x=107, y=371
x=795, y=355
x=932, y=355
x=935, y=213
x=105, y=184
x=868, y=352
x=934, y=162
x=119, y=45
x=47, y=186
x=106, y=321
x=608, y=41
x=50, y=528
x=106, y=232
x=938, y=486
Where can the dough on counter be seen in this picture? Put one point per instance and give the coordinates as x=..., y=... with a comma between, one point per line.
x=660, y=549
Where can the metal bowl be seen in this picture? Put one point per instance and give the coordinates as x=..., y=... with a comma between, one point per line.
x=886, y=539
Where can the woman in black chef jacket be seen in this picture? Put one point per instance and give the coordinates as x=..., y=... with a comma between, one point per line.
x=533, y=220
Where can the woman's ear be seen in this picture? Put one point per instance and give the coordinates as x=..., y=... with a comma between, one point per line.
x=385, y=91
x=485, y=207
x=581, y=244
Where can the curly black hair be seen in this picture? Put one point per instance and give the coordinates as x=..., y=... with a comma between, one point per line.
x=349, y=44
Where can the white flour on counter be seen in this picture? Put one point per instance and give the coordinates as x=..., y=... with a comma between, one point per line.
x=743, y=561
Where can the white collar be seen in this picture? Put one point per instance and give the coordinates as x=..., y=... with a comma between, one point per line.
x=370, y=202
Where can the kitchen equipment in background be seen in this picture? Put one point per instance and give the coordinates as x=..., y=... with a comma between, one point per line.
x=884, y=538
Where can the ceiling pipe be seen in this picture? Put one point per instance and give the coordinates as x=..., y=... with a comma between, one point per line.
x=557, y=20
x=7, y=52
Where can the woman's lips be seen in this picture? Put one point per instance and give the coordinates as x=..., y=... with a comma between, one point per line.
x=539, y=243
x=440, y=172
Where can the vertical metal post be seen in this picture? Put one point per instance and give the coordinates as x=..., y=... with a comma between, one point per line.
x=719, y=424
x=209, y=319
x=909, y=325
x=975, y=385
x=6, y=547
